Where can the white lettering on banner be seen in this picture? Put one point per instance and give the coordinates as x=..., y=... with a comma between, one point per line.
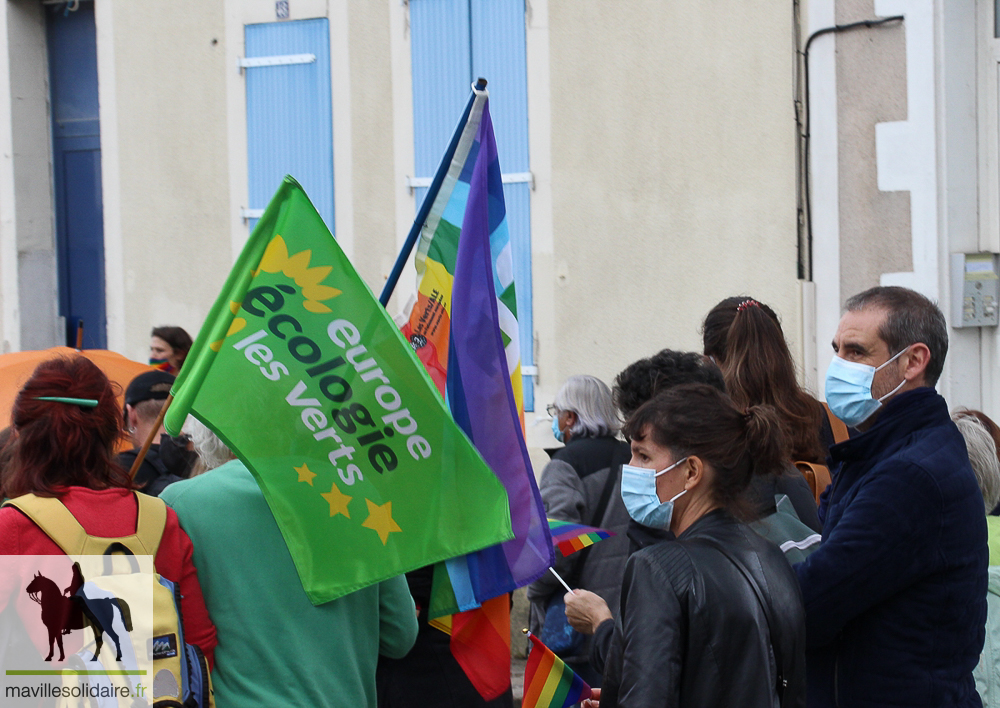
x=312, y=417
x=271, y=368
x=387, y=397
x=349, y=418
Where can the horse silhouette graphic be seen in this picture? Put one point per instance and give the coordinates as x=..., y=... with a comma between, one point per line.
x=64, y=611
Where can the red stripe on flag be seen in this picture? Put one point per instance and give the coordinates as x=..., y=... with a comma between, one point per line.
x=481, y=648
x=536, y=672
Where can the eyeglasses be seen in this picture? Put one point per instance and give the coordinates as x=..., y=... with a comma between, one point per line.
x=552, y=410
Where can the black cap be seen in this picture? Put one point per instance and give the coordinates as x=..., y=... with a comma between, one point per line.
x=151, y=385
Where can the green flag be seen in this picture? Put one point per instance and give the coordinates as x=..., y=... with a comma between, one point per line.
x=304, y=375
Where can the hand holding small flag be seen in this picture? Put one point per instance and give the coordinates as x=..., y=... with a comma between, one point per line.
x=594, y=701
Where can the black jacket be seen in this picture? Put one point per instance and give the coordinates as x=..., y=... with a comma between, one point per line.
x=692, y=631
x=163, y=464
x=429, y=676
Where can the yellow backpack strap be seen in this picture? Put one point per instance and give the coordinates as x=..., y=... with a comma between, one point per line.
x=53, y=518
x=838, y=427
x=151, y=522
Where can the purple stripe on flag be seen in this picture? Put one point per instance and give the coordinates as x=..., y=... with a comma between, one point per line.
x=479, y=389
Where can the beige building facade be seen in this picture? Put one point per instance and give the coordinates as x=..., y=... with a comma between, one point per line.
x=903, y=151
x=662, y=145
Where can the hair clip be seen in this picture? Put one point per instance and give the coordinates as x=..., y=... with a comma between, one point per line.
x=747, y=303
x=84, y=402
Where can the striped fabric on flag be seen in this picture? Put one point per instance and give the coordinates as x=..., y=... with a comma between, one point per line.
x=570, y=538
x=429, y=323
x=548, y=682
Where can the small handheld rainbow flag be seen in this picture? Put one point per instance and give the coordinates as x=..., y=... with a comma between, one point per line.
x=570, y=538
x=548, y=682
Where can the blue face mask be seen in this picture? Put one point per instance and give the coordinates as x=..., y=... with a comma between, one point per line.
x=849, y=389
x=641, y=500
x=555, y=428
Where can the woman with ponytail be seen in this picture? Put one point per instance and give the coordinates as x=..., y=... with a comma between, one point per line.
x=66, y=425
x=746, y=341
x=713, y=617
x=744, y=338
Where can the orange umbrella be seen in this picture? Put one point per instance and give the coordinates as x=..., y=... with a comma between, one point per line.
x=16, y=368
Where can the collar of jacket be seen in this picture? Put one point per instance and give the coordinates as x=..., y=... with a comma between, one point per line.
x=706, y=523
x=640, y=536
x=919, y=408
x=592, y=454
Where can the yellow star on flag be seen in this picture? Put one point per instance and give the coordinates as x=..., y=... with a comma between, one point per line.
x=380, y=520
x=305, y=474
x=337, y=501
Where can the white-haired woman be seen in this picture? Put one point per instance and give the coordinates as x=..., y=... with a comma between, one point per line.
x=212, y=452
x=981, y=438
x=582, y=484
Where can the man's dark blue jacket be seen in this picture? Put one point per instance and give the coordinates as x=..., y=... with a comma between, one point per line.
x=895, y=598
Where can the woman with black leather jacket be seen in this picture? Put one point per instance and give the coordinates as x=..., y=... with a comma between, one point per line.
x=714, y=617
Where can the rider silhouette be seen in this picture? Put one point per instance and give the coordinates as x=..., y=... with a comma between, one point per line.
x=76, y=615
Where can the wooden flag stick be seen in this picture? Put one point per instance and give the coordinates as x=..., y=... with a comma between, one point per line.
x=152, y=436
x=559, y=578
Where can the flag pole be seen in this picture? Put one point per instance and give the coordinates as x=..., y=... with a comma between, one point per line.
x=425, y=206
x=559, y=578
x=149, y=438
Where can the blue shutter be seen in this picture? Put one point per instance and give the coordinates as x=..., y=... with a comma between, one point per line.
x=289, y=113
x=442, y=78
x=453, y=43
x=499, y=55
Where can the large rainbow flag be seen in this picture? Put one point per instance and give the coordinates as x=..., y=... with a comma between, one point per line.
x=463, y=327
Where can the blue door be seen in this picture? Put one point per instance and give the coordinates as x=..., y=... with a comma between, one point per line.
x=289, y=112
x=453, y=42
x=76, y=172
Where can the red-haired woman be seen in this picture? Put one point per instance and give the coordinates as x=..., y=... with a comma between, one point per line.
x=66, y=424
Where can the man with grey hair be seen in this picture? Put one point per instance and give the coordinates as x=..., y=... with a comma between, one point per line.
x=583, y=409
x=895, y=596
x=582, y=484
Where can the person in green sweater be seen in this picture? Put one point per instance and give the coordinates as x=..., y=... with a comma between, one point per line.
x=276, y=648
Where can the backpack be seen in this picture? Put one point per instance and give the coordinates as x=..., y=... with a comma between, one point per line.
x=817, y=475
x=179, y=676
